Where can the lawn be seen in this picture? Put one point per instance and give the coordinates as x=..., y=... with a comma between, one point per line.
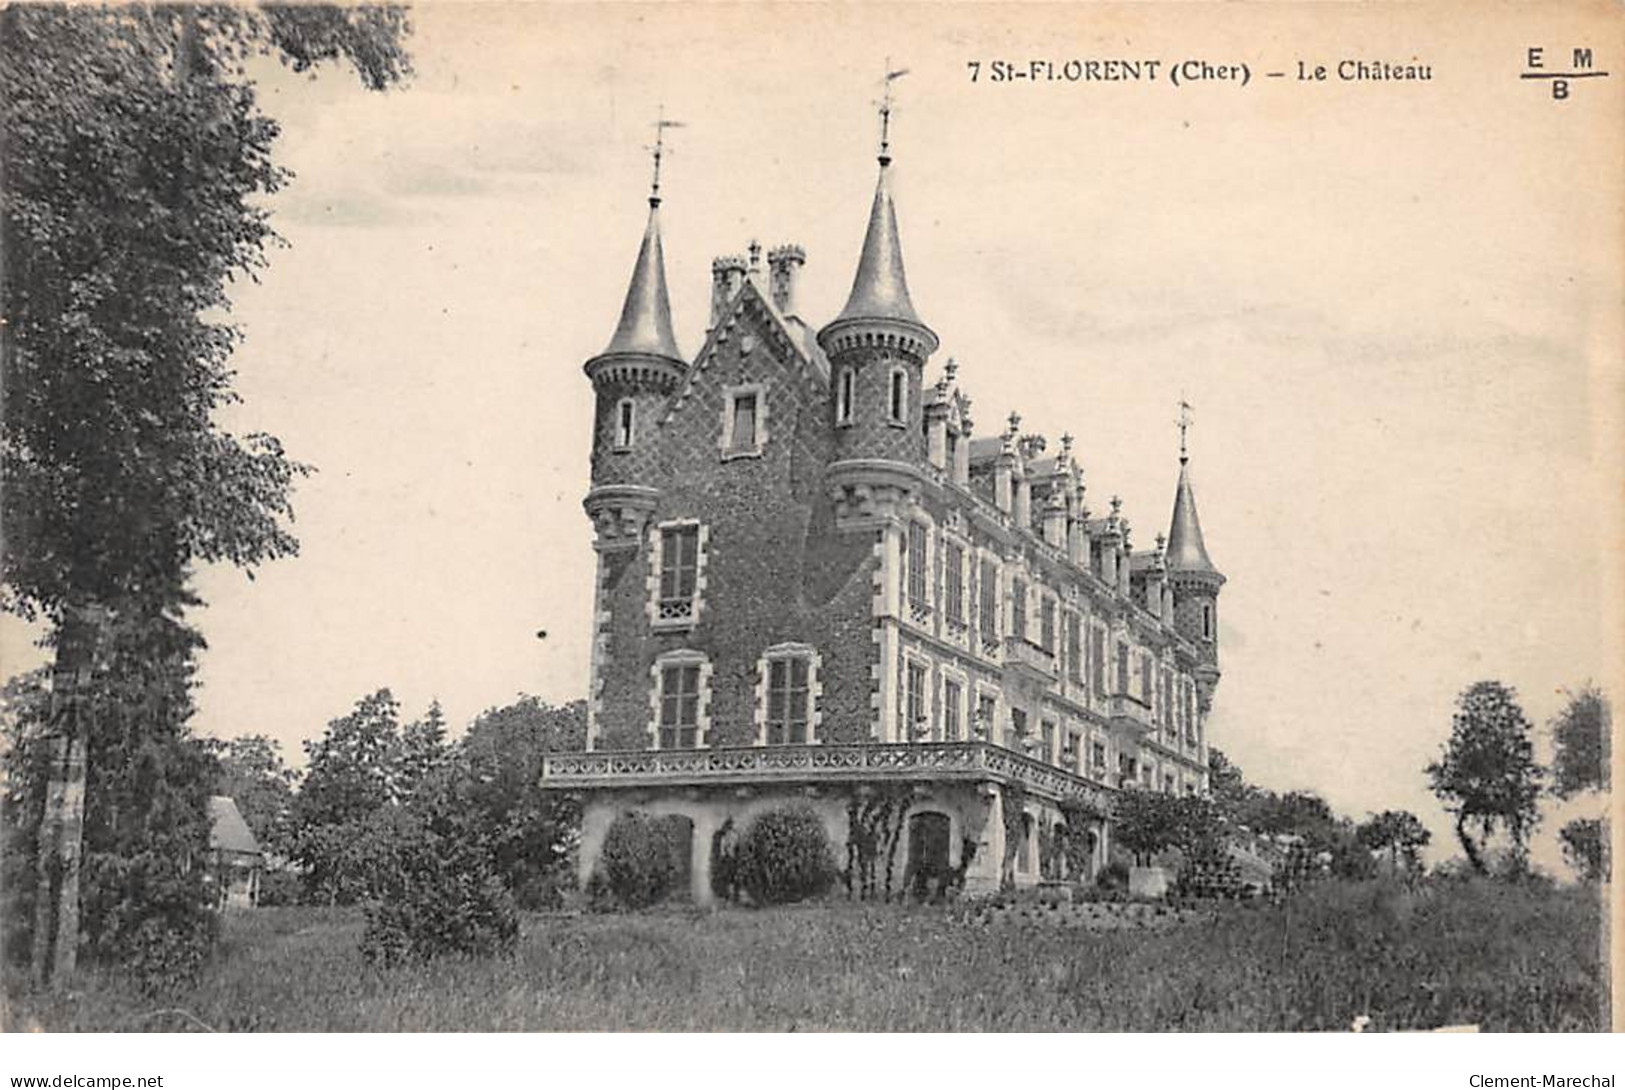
x=1448, y=953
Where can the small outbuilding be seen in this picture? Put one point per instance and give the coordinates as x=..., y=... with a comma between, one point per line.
x=235, y=859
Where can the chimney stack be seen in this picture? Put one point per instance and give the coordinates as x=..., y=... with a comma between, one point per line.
x=784, y=268
x=727, y=275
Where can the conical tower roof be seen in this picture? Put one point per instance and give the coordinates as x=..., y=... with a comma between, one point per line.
x=645, y=325
x=1187, y=552
x=880, y=288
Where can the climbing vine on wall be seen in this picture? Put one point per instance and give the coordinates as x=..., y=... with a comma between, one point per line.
x=1014, y=804
x=875, y=819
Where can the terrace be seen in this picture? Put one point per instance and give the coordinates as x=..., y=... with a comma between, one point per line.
x=922, y=762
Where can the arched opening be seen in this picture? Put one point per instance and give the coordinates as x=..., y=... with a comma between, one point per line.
x=928, y=854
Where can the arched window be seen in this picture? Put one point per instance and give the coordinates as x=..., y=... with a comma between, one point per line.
x=899, y=396
x=844, y=384
x=623, y=423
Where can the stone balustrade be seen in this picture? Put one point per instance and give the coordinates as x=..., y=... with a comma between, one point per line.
x=923, y=762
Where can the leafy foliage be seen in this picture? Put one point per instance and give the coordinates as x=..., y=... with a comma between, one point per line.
x=359, y=773
x=531, y=832
x=437, y=892
x=1398, y=832
x=1487, y=774
x=136, y=157
x=640, y=862
x=1581, y=733
x=1149, y=822
x=144, y=904
x=784, y=856
x=1585, y=846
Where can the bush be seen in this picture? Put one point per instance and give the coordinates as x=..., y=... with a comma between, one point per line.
x=1114, y=876
x=784, y=857
x=441, y=905
x=640, y=862
x=437, y=890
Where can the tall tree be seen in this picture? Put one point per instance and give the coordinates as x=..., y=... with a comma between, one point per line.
x=1487, y=775
x=352, y=782
x=531, y=831
x=136, y=156
x=1581, y=736
x=423, y=750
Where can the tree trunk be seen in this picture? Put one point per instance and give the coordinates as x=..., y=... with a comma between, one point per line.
x=62, y=824
x=1468, y=846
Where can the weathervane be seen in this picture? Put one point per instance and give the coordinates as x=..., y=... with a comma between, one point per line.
x=659, y=149
x=1184, y=424
x=885, y=111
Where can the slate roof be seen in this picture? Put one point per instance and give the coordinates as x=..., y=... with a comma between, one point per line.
x=228, y=831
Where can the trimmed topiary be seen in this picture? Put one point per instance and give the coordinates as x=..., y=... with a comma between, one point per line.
x=638, y=865
x=784, y=856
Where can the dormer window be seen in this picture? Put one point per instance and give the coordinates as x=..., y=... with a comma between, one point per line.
x=744, y=421
x=623, y=424
x=845, y=384
x=898, y=391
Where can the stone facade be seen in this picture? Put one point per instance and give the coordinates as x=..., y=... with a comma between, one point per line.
x=816, y=586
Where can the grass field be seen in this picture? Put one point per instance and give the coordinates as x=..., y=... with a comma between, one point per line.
x=1502, y=957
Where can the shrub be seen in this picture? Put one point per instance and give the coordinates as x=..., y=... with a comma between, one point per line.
x=437, y=906
x=1113, y=876
x=784, y=856
x=640, y=863
x=438, y=892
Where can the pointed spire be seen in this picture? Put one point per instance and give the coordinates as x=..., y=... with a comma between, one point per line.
x=880, y=288
x=1186, y=550
x=645, y=325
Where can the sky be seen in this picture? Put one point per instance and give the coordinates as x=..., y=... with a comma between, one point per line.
x=1395, y=308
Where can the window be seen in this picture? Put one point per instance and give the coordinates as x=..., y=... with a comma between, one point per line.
x=1127, y=768
x=1207, y=620
x=744, y=421
x=916, y=567
x=1122, y=667
x=844, y=386
x=914, y=696
x=1018, y=608
x=679, y=572
x=1018, y=728
x=1074, y=649
x=953, y=562
x=623, y=424
x=899, y=396
x=987, y=713
x=744, y=426
x=951, y=701
x=680, y=706
x=1145, y=679
x=988, y=606
x=1049, y=740
x=1167, y=783
x=1046, y=625
x=1097, y=660
x=1097, y=756
x=789, y=699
